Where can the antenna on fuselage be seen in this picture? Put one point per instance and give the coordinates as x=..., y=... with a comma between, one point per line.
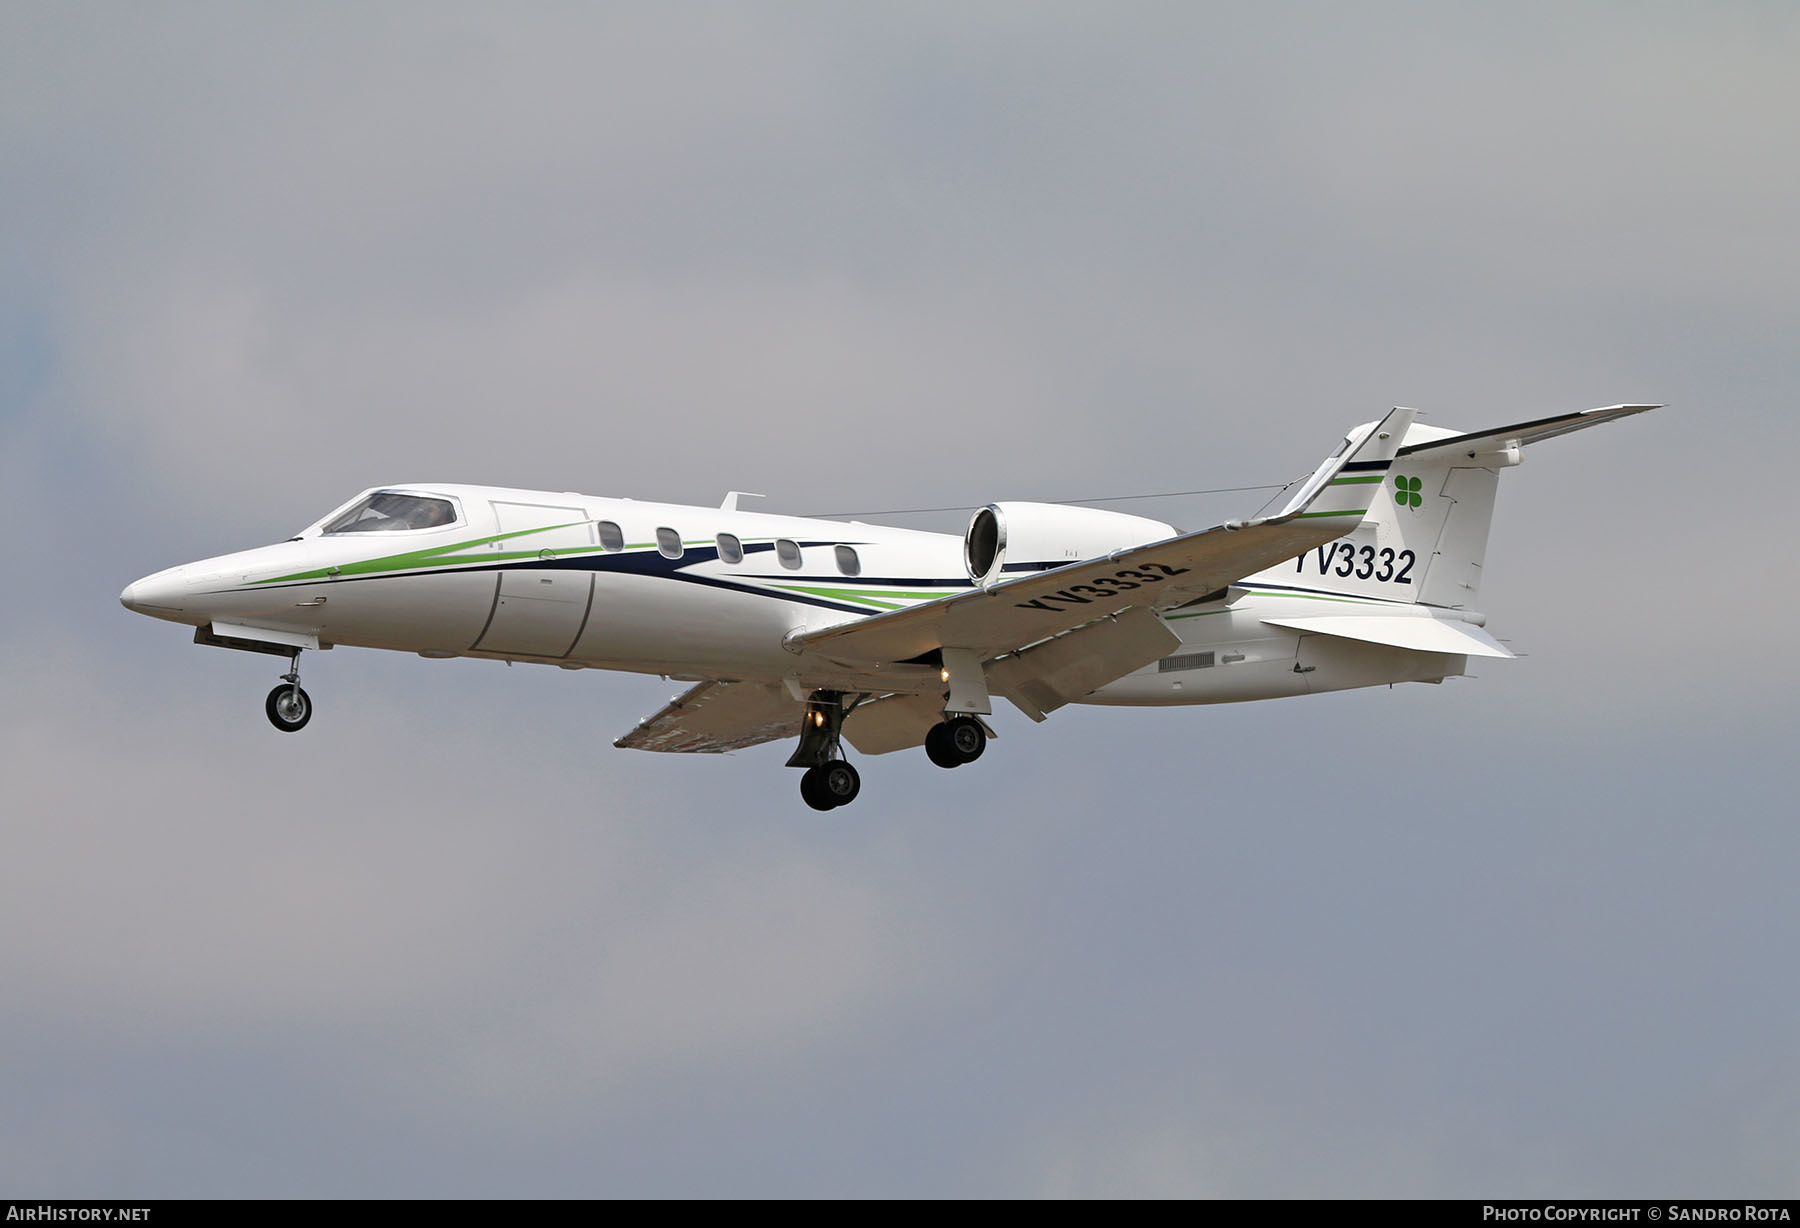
x=732, y=496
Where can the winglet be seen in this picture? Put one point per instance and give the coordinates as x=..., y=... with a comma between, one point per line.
x=1340, y=488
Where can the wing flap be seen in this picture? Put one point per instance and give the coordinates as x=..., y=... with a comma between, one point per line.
x=715, y=717
x=1044, y=678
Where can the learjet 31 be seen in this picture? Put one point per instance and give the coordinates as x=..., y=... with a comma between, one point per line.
x=825, y=631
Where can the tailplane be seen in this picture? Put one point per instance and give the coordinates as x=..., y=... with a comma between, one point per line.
x=1425, y=534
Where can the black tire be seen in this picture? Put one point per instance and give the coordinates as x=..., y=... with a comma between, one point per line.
x=288, y=708
x=938, y=748
x=812, y=790
x=839, y=781
x=965, y=737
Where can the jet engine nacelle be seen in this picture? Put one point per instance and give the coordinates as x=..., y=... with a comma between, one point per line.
x=1048, y=535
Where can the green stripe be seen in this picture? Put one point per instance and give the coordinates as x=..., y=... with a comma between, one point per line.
x=1359, y=511
x=861, y=596
x=1353, y=481
x=436, y=556
x=1269, y=592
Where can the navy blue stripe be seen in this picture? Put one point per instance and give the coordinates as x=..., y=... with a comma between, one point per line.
x=653, y=563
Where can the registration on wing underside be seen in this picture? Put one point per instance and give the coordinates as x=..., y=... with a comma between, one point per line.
x=1100, y=588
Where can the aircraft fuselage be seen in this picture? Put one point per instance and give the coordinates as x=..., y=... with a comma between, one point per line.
x=594, y=583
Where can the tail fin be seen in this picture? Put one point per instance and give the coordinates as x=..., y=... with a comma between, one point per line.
x=1337, y=488
x=1425, y=534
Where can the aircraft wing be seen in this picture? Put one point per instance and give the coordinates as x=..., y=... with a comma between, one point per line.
x=1098, y=613
x=1022, y=611
x=715, y=717
x=1019, y=612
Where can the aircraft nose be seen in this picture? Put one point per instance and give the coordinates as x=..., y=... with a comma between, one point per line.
x=162, y=592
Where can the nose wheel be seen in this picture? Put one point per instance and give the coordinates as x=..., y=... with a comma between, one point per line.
x=289, y=707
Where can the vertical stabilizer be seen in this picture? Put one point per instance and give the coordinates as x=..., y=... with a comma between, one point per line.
x=1425, y=535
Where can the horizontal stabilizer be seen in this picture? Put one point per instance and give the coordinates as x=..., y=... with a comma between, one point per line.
x=1527, y=432
x=1400, y=631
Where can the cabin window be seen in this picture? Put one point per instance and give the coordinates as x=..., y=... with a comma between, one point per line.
x=789, y=553
x=387, y=511
x=731, y=550
x=669, y=542
x=612, y=537
x=847, y=561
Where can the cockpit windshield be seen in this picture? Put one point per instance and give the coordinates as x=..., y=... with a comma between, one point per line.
x=388, y=511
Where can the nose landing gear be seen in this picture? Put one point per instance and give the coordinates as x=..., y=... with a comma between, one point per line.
x=289, y=707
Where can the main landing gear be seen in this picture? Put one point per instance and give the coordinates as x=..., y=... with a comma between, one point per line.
x=829, y=785
x=956, y=741
x=830, y=781
x=288, y=706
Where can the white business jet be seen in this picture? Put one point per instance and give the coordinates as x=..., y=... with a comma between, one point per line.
x=826, y=631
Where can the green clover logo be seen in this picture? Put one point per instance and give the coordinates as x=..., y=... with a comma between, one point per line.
x=1406, y=492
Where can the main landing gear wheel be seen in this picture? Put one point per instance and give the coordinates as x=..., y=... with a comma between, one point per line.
x=289, y=708
x=830, y=785
x=954, y=742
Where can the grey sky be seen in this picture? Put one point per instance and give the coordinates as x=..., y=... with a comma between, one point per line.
x=1529, y=934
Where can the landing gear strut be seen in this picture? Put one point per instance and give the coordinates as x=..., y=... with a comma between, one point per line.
x=830, y=781
x=288, y=706
x=956, y=741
